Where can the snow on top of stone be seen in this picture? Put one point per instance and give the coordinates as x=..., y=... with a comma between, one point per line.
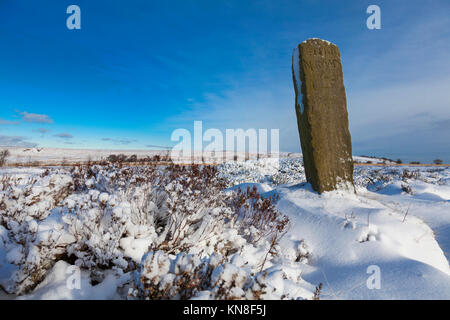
x=326, y=41
x=298, y=82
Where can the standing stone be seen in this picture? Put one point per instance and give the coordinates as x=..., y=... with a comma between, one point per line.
x=322, y=117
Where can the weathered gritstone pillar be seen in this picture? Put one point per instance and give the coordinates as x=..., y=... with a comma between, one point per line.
x=322, y=117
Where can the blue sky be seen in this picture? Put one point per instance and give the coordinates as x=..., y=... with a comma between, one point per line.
x=137, y=70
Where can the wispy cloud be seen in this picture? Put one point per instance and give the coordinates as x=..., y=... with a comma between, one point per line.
x=411, y=106
x=35, y=117
x=120, y=141
x=16, y=141
x=442, y=124
x=156, y=146
x=397, y=98
x=8, y=122
x=42, y=131
x=248, y=105
x=63, y=135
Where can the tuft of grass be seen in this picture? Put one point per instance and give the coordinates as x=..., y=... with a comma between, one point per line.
x=317, y=292
x=4, y=154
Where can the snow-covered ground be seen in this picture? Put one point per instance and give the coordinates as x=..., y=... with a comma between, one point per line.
x=52, y=156
x=395, y=229
x=399, y=220
x=20, y=155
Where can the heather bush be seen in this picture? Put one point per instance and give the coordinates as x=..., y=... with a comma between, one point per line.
x=108, y=216
x=214, y=277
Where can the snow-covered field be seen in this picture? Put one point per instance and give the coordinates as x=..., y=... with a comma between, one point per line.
x=51, y=156
x=20, y=155
x=246, y=230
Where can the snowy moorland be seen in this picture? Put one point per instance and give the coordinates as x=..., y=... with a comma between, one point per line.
x=240, y=230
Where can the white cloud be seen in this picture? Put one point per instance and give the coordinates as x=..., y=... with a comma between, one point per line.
x=120, y=141
x=35, y=117
x=16, y=141
x=64, y=135
x=42, y=131
x=8, y=122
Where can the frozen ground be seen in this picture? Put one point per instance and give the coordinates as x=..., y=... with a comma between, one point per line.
x=398, y=222
x=51, y=156
x=22, y=155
